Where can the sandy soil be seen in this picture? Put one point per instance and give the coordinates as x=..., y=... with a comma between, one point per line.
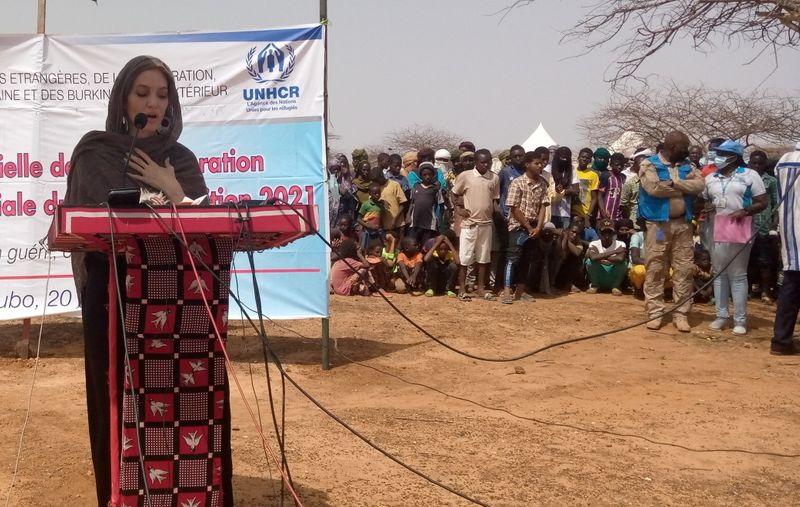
x=637, y=418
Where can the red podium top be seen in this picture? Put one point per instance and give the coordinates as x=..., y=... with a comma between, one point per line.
x=88, y=228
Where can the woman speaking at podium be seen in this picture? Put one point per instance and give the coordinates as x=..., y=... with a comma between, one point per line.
x=175, y=447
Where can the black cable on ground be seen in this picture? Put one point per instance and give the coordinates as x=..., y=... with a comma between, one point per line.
x=308, y=395
x=269, y=380
x=534, y=419
x=566, y=425
x=280, y=434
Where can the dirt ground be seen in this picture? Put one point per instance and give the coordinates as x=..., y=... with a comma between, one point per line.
x=637, y=418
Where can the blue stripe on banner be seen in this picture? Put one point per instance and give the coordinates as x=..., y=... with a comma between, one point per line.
x=313, y=32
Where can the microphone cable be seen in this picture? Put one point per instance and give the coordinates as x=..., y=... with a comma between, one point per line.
x=308, y=395
x=192, y=257
x=280, y=434
x=128, y=371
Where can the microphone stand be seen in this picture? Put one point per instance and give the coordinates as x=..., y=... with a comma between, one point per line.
x=128, y=196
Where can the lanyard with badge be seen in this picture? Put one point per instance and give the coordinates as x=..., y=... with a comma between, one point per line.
x=721, y=201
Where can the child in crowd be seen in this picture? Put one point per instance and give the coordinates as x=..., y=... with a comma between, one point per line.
x=607, y=260
x=409, y=266
x=361, y=181
x=389, y=252
x=636, y=272
x=441, y=267
x=344, y=230
x=570, y=275
x=545, y=261
x=588, y=202
x=703, y=272
x=611, y=183
x=426, y=202
x=369, y=217
x=625, y=232
x=350, y=274
x=379, y=270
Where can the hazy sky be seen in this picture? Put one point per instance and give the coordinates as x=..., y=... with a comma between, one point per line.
x=447, y=63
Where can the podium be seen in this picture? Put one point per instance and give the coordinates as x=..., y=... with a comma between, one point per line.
x=170, y=438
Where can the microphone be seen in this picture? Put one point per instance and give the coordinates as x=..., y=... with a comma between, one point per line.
x=128, y=196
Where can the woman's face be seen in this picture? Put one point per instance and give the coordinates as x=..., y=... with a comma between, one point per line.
x=149, y=95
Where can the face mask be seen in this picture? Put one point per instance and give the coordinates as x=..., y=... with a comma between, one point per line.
x=722, y=161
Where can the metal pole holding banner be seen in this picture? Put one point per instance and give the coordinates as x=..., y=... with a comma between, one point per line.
x=23, y=347
x=326, y=324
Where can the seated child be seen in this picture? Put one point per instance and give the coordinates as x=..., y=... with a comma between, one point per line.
x=344, y=230
x=369, y=217
x=441, y=268
x=570, y=274
x=703, y=272
x=389, y=257
x=636, y=273
x=409, y=267
x=377, y=268
x=607, y=261
x=350, y=274
x=545, y=261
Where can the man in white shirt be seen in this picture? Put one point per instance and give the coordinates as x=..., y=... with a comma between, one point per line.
x=787, y=172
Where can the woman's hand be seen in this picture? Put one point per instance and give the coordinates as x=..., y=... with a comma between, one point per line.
x=739, y=214
x=146, y=171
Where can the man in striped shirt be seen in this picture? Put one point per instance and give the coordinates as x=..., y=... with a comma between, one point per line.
x=787, y=173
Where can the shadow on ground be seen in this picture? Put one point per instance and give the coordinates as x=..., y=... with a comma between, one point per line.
x=265, y=492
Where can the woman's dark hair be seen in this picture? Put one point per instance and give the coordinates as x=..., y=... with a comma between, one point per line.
x=348, y=249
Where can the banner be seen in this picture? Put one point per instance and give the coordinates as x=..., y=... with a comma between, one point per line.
x=253, y=105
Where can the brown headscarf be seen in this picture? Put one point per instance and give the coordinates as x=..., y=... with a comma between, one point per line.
x=96, y=165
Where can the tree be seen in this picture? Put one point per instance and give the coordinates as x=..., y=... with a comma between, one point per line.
x=643, y=27
x=416, y=137
x=700, y=112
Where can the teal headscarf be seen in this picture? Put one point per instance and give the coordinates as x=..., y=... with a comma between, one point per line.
x=598, y=165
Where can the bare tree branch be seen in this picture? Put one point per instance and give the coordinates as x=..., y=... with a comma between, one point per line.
x=643, y=27
x=415, y=137
x=700, y=112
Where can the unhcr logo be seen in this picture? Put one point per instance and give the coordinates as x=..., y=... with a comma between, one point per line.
x=272, y=65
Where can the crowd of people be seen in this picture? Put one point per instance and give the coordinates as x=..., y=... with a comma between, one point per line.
x=467, y=224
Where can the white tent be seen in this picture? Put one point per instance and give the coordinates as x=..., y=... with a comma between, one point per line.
x=540, y=137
